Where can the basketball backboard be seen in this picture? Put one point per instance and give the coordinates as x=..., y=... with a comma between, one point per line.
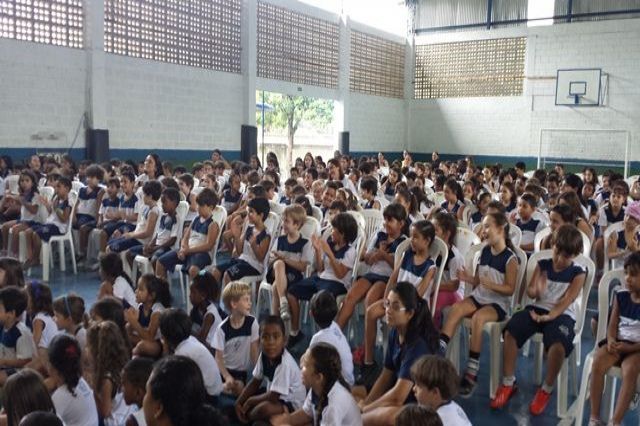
x=578, y=87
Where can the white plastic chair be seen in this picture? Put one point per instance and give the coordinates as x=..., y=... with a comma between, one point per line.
x=276, y=207
x=76, y=185
x=47, y=255
x=142, y=262
x=576, y=411
x=573, y=360
x=464, y=240
x=317, y=213
x=11, y=184
x=493, y=329
x=515, y=234
x=544, y=232
x=311, y=227
x=611, y=229
x=373, y=221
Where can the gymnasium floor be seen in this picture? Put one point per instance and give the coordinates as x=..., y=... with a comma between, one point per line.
x=86, y=284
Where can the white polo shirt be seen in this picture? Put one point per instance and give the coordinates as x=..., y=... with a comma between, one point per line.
x=341, y=408
x=193, y=349
x=333, y=336
x=78, y=410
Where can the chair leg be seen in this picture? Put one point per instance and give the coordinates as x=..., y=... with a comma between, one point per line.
x=453, y=351
x=584, y=390
x=608, y=397
x=63, y=260
x=46, y=257
x=537, y=362
x=496, y=358
x=562, y=390
x=72, y=253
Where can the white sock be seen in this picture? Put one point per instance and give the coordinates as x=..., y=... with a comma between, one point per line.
x=293, y=333
x=284, y=300
x=547, y=388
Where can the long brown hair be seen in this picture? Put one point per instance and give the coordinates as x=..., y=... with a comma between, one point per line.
x=109, y=354
x=25, y=392
x=326, y=361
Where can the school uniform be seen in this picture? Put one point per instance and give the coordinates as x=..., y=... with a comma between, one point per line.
x=629, y=312
x=53, y=226
x=283, y=377
x=127, y=207
x=123, y=291
x=235, y=344
x=285, y=200
x=230, y=199
x=16, y=343
x=413, y=273
x=86, y=207
x=455, y=261
x=145, y=320
x=334, y=336
x=167, y=229
x=119, y=411
x=606, y=218
x=511, y=207
x=454, y=209
x=77, y=409
x=49, y=331
x=26, y=217
x=191, y=214
x=452, y=414
x=247, y=264
x=193, y=349
x=400, y=357
x=476, y=218
x=198, y=235
x=299, y=250
x=341, y=408
x=327, y=279
x=560, y=330
x=109, y=206
x=121, y=244
x=494, y=267
x=197, y=319
x=381, y=270
x=389, y=192
x=529, y=230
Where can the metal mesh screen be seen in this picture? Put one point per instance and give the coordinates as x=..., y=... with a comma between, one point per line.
x=198, y=33
x=377, y=66
x=57, y=22
x=492, y=67
x=297, y=48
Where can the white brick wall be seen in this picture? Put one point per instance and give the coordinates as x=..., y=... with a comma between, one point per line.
x=158, y=105
x=510, y=126
x=42, y=91
x=376, y=123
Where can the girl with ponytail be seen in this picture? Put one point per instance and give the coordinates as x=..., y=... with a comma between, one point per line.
x=493, y=285
x=329, y=400
x=411, y=336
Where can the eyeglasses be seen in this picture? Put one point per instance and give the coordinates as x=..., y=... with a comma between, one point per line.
x=396, y=307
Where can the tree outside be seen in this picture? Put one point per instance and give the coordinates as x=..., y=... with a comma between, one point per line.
x=290, y=113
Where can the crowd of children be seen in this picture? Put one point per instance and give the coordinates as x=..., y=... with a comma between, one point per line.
x=134, y=357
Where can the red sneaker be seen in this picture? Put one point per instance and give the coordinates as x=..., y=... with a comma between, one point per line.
x=503, y=395
x=358, y=355
x=539, y=402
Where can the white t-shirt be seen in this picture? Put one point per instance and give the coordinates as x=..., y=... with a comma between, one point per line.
x=333, y=336
x=122, y=290
x=193, y=349
x=147, y=211
x=452, y=414
x=286, y=380
x=78, y=410
x=236, y=342
x=50, y=329
x=341, y=408
x=119, y=411
x=345, y=255
x=217, y=320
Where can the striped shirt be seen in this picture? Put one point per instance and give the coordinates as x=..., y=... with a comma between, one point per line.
x=629, y=312
x=494, y=268
x=558, y=283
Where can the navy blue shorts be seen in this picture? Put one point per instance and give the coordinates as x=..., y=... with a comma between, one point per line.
x=374, y=278
x=110, y=227
x=237, y=268
x=305, y=289
x=46, y=231
x=29, y=223
x=561, y=330
x=84, y=220
x=120, y=244
x=154, y=256
x=293, y=275
x=170, y=259
x=501, y=313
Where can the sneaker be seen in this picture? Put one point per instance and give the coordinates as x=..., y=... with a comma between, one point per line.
x=596, y=422
x=358, y=355
x=294, y=340
x=634, y=402
x=467, y=386
x=503, y=395
x=539, y=403
x=284, y=311
x=368, y=375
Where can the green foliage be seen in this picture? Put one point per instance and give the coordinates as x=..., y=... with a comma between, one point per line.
x=290, y=111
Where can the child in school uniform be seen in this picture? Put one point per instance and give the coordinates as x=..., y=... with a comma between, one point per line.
x=610, y=213
x=369, y=192
x=323, y=310
x=554, y=288
x=380, y=259
x=335, y=258
x=29, y=210
x=175, y=328
x=68, y=314
x=291, y=256
x=87, y=206
x=621, y=346
x=165, y=236
x=72, y=396
x=285, y=391
x=108, y=218
x=55, y=224
x=494, y=283
x=197, y=242
x=129, y=208
x=115, y=282
x=231, y=197
x=185, y=183
x=628, y=241
x=17, y=352
x=454, y=198
x=329, y=401
x=135, y=375
x=436, y=384
x=528, y=224
x=251, y=248
x=40, y=310
x=206, y=314
x=236, y=340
